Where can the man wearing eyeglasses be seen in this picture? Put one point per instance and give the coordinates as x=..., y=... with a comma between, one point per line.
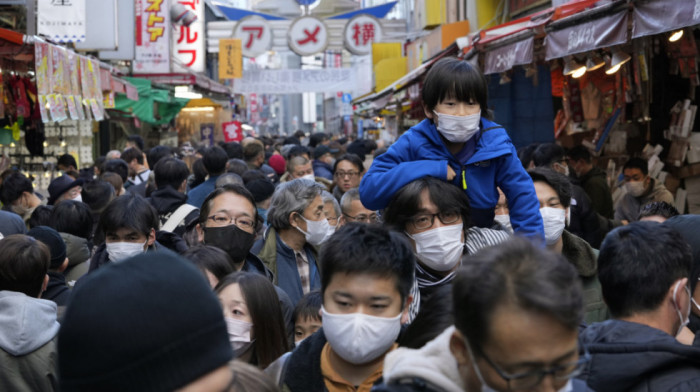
x=517, y=312
x=353, y=210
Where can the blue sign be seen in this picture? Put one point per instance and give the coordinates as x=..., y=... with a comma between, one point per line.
x=347, y=98
x=306, y=2
x=360, y=128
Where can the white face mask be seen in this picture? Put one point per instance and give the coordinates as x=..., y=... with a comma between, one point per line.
x=78, y=198
x=239, y=334
x=458, y=129
x=309, y=176
x=635, y=188
x=360, y=338
x=120, y=251
x=685, y=321
x=440, y=249
x=317, y=231
x=504, y=220
x=554, y=220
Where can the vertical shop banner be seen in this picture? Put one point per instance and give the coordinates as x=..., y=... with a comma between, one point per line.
x=230, y=59
x=61, y=20
x=189, y=41
x=233, y=131
x=152, y=49
x=207, y=134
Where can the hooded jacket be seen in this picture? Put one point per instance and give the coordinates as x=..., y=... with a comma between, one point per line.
x=322, y=169
x=627, y=356
x=78, y=253
x=628, y=207
x=582, y=256
x=595, y=183
x=166, y=201
x=421, y=152
x=28, y=327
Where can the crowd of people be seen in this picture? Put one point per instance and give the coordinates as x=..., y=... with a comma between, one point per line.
x=446, y=261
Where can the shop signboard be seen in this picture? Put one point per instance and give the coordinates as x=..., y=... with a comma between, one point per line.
x=206, y=132
x=230, y=59
x=296, y=81
x=606, y=31
x=660, y=16
x=152, y=49
x=505, y=57
x=255, y=35
x=61, y=20
x=307, y=35
x=360, y=33
x=188, y=42
x=233, y=132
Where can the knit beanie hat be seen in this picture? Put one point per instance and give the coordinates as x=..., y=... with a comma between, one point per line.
x=260, y=189
x=150, y=323
x=53, y=241
x=277, y=163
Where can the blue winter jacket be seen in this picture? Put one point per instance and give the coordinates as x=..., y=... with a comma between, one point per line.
x=420, y=152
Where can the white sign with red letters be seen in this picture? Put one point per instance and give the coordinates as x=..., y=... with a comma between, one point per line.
x=255, y=35
x=360, y=32
x=307, y=35
x=189, y=41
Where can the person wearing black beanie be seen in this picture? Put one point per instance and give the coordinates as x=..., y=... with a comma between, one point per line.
x=56, y=290
x=159, y=330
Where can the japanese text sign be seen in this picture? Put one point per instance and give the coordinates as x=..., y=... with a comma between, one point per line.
x=307, y=35
x=659, y=16
x=607, y=31
x=152, y=37
x=230, y=59
x=188, y=43
x=360, y=32
x=296, y=81
x=255, y=35
x=233, y=132
x=506, y=57
x=61, y=20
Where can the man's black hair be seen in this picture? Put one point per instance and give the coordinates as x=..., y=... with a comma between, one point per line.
x=118, y=166
x=548, y=154
x=97, y=194
x=291, y=140
x=251, y=175
x=214, y=160
x=157, y=153
x=137, y=140
x=514, y=273
x=237, y=166
x=129, y=211
x=657, y=208
x=406, y=202
x=210, y=258
x=252, y=150
x=13, y=185
x=525, y=154
x=352, y=158
x=67, y=161
x=317, y=138
x=368, y=249
x=358, y=148
x=233, y=150
x=41, y=216
x=308, y=307
x=451, y=77
x=237, y=189
x=72, y=217
x=637, y=265
x=637, y=163
x=132, y=153
x=559, y=182
x=170, y=172
x=24, y=262
x=580, y=153
x=298, y=151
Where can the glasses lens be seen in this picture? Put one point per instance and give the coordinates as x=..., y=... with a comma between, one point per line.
x=423, y=221
x=449, y=217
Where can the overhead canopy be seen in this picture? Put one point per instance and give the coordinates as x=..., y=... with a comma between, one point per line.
x=154, y=106
x=659, y=16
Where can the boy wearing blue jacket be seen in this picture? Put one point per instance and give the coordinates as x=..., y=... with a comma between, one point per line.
x=458, y=144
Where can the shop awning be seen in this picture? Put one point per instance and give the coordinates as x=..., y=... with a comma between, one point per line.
x=659, y=16
x=191, y=79
x=504, y=57
x=154, y=106
x=587, y=30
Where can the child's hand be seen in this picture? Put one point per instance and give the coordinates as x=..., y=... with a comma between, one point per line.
x=450, y=173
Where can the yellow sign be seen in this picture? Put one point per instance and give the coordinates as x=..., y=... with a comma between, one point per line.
x=230, y=59
x=385, y=50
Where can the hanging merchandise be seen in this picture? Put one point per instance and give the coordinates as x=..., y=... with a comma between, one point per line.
x=57, y=81
x=42, y=57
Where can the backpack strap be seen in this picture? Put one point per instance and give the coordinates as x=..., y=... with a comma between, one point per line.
x=177, y=216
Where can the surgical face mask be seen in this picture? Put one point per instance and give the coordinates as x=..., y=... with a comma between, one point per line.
x=239, y=335
x=677, y=305
x=309, y=176
x=565, y=168
x=331, y=162
x=440, y=249
x=317, y=231
x=458, y=129
x=360, y=338
x=120, y=251
x=635, y=188
x=554, y=220
x=78, y=198
x=231, y=239
x=504, y=220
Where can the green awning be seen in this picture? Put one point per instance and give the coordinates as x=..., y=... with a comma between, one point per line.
x=167, y=105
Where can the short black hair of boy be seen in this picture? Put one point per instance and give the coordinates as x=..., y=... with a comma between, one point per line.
x=210, y=258
x=559, y=182
x=214, y=159
x=132, y=153
x=131, y=211
x=97, y=194
x=13, y=186
x=308, y=307
x=580, y=153
x=170, y=172
x=137, y=140
x=67, y=161
x=118, y=166
x=41, y=216
x=637, y=163
x=658, y=208
x=24, y=262
x=405, y=203
x=368, y=249
x=515, y=272
x=451, y=77
x=547, y=154
x=72, y=217
x=638, y=263
x=233, y=150
x=155, y=154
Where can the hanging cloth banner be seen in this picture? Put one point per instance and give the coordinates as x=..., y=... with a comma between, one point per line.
x=660, y=16
x=296, y=81
x=503, y=58
x=602, y=32
x=61, y=20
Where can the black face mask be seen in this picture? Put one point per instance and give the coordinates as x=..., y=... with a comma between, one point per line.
x=231, y=239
